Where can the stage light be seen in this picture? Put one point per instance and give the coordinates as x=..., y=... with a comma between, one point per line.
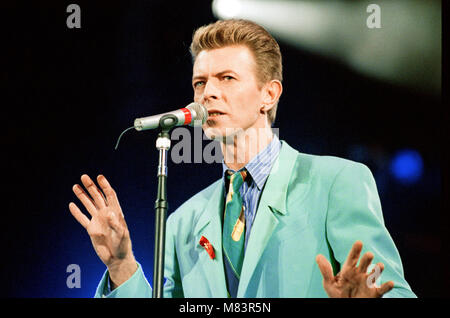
x=407, y=166
x=403, y=47
x=226, y=9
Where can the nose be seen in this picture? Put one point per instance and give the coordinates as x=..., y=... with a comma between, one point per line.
x=210, y=92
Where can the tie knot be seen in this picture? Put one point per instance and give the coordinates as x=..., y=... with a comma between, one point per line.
x=237, y=178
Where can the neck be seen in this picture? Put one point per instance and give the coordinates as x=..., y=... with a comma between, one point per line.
x=243, y=146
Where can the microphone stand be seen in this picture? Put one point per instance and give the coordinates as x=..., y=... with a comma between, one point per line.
x=166, y=123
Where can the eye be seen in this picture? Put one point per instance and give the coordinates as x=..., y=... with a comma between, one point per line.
x=198, y=84
x=228, y=77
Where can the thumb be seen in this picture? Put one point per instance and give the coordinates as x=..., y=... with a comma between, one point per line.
x=325, y=268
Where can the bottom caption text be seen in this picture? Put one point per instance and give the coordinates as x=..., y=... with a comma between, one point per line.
x=226, y=307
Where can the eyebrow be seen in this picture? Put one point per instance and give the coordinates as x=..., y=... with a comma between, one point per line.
x=215, y=75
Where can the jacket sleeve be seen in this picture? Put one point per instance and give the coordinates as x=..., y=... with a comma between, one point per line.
x=136, y=286
x=354, y=213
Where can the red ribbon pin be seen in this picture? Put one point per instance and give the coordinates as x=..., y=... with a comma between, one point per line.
x=207, y=246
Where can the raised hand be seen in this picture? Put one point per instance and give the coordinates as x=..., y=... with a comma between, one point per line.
x=353, y=281
x=106, y=228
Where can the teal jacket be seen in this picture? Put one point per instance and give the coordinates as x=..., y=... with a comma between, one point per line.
x=310, y=205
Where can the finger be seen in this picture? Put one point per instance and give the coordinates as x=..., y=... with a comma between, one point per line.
x=85, y=199
x=93, y=191
x=386, y=287
x=365, y=262
x=353, y=255
x=111, y=196
x=325, y=268
x=379, y=267
x=78, y=215
x=373, y=276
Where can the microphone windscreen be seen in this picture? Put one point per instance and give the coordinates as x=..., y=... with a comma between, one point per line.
x=201, y=113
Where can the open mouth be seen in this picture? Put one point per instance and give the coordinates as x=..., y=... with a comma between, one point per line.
x=215, y=114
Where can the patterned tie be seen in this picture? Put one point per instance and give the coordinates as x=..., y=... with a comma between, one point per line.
x=233, y=236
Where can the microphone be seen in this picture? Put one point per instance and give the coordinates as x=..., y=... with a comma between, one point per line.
x=194, y=114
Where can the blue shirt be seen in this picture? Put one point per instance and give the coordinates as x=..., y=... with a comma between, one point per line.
x=258, y=169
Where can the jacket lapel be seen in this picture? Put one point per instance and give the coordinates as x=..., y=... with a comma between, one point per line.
x=273, y=198
x=209, y=226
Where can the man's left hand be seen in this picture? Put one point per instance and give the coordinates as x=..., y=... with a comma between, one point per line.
x=353, y=281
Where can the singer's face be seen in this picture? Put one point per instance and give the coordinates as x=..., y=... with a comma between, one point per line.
x=224, y=81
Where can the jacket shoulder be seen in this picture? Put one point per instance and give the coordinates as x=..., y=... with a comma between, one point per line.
x=308, y=165
x=327, y=161
x=321, y=168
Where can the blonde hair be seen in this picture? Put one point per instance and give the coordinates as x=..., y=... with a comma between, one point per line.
x=264, y=47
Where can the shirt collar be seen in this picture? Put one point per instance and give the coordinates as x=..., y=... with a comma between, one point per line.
x=260, y=165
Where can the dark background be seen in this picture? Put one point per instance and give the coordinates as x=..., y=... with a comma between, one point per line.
x=68, y=93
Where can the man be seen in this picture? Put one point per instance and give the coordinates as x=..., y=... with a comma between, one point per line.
x=270, y=225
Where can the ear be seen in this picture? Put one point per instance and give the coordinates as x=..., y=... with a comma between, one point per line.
x=271, y=93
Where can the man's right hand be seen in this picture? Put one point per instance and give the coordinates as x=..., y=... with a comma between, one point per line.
x=106, y=228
